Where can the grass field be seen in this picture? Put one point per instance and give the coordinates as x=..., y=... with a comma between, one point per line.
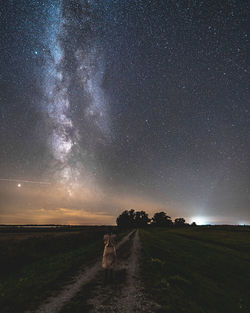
x=191, y=270
x=197, y=269
x=31, y=268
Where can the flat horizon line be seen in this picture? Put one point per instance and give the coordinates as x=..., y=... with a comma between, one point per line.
x=111, y=225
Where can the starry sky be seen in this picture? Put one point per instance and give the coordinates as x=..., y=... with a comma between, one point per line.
x=111, y=105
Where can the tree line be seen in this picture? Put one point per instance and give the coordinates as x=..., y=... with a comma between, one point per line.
x=132, y=218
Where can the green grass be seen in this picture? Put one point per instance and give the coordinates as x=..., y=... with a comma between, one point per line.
x=197, y=269
x=35, y=267
x=228, y=236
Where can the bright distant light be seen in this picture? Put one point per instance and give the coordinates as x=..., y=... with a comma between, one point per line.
x=199, y=220
x=19, y=185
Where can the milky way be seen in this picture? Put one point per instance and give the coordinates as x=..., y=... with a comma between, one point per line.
x=124, y=104
x=74, y=60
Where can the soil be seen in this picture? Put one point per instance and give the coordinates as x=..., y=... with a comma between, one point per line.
x=124, y=295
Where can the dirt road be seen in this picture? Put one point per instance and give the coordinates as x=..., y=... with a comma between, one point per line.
x=125, y=295
x=129, y=296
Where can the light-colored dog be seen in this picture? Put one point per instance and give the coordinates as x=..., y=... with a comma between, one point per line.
x=109, y=256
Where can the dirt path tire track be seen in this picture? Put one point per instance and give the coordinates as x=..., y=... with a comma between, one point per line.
x=131, y=297
x=54, y=304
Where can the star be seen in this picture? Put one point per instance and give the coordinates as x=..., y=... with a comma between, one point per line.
x=148, y=93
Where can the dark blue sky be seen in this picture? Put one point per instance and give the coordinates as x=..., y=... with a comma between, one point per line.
x=124, y=104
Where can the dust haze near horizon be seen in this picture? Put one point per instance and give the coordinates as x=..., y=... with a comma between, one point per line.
x=124, y=105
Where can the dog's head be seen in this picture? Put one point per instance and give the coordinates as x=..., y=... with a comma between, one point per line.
x=109, y=243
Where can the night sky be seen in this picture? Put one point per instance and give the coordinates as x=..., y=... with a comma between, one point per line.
x=112, y=105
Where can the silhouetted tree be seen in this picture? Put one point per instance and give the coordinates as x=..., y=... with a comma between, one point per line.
x=131, y=214
x=128, y=219
x=179, y=221
x=141, y=219
x=161, y=219
x=123, y=220
x=193, y=224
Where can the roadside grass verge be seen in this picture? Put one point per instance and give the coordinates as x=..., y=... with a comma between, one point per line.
x=201, y=275
x=40, y=267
